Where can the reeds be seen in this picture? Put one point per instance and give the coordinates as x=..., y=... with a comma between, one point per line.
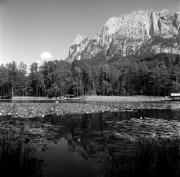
x=150, y=159
x=18, y=158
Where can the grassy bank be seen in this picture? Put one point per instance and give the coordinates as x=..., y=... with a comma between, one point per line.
x=137, y=98
x=123, y=98
x=27, y=98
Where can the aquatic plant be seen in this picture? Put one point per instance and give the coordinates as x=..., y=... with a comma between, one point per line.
x=18, y=158
x=151, y=159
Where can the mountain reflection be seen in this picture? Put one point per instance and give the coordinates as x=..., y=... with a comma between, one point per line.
x=100, y=137
x=97, y=145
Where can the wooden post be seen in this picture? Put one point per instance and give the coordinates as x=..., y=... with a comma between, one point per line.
x=12, y=91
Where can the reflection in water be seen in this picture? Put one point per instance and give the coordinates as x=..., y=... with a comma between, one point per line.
x=101, y=144
x=93, y=136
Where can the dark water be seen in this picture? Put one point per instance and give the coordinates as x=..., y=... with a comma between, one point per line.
x=79, y=145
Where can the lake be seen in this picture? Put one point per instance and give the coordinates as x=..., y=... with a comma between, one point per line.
x=89, y=144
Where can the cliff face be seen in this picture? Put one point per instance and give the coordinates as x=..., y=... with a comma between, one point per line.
x=137, y=33
x=83, y=48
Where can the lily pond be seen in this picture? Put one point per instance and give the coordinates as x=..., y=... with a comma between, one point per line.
x=89, y=139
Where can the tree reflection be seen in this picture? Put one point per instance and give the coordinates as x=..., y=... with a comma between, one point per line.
x=123, y=158
x=103, y=138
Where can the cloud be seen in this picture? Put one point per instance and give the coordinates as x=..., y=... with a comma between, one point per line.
x=46, y=56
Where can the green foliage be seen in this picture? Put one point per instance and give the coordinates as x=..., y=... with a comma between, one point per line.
x=18, y=158
x=156, y=75
x=152, y=159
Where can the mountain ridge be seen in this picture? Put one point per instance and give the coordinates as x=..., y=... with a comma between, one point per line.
x=137, y=33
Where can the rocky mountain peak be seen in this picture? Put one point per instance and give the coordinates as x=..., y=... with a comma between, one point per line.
x=79, y=39
x=137, y=33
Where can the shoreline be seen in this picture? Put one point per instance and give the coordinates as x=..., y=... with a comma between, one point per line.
x=93, y=98
x=123, y=98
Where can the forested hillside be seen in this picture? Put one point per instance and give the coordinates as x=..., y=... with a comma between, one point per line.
x=155, y=75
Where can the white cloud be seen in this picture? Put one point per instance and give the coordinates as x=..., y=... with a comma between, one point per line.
x=46, y=56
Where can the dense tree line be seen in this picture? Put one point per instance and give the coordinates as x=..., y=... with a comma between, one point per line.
x=155, y=75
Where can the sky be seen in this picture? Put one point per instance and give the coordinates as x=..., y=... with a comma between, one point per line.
x=34, y=30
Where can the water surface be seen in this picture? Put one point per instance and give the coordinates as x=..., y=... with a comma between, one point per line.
x=82, y=144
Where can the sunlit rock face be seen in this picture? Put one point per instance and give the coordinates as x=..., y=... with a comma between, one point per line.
x=138, y=33
x=83, y=48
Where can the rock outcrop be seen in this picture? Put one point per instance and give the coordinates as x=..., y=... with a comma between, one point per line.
x=138, y=33
x=83, y=48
